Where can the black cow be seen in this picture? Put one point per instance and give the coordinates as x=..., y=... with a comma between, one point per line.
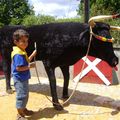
x=59, y=44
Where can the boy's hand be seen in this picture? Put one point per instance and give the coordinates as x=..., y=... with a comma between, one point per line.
x=32, y=65
x=34, y=53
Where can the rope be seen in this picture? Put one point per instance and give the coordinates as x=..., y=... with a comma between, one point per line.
x=37, y=71
x=79, y=76
x=36, y=64
x=81, y=68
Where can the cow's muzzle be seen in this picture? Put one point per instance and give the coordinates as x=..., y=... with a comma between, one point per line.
x=114, y=62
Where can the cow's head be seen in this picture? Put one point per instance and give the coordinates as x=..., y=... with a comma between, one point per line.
x=101, y=42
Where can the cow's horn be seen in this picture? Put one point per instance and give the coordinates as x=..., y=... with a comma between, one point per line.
x=114, y=28
x=98, y=18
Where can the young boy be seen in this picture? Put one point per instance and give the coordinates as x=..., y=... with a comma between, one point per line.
x=21, y=72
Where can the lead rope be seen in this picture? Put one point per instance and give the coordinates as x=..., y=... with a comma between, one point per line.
x=79, y=75
x=36, y=64
x=81, y=68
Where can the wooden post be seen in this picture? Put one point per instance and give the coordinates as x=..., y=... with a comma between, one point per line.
x=86, y=10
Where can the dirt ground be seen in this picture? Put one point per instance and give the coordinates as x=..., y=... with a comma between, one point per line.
x=82, y=105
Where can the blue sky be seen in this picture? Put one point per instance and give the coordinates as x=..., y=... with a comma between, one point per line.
x=56, y=8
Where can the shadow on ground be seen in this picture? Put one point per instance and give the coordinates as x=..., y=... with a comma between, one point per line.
x=46, y=113
x=79, y=98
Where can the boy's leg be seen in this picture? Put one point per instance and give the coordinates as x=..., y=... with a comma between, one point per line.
x=21, y=112
x=22, y=94
x=19, y=117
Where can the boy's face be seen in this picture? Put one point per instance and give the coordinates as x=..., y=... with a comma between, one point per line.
x=22, y=43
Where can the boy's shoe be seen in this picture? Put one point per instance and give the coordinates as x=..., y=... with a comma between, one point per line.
x=19, y=117
x=28, y=112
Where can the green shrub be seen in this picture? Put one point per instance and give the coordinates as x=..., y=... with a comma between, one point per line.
x=37, y=20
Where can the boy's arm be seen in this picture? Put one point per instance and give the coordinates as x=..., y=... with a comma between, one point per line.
x=32, y=55
x=22, y=68
x=20, y=64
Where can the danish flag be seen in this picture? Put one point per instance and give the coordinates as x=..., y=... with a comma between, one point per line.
x=95, y=71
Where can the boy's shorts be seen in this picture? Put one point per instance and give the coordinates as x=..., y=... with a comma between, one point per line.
x=22, y=93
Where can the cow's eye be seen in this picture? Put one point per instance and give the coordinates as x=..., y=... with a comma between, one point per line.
x=108, y=37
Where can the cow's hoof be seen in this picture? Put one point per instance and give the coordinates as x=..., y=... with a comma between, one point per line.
x=9, y=91
x=65, y=98
x=58, y=107
x=65, y=102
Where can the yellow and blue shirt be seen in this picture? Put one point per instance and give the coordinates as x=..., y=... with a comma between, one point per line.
x=19, y=58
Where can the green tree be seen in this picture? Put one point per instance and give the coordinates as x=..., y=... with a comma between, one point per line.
x=37, y=20
x=13, y=11
x=98, y=7
x=111, y=6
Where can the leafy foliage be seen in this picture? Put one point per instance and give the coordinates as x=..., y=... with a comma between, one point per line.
x=13, y=11
x=69, y=20
x=111, y=6
x=43, y=19
x=35, y=20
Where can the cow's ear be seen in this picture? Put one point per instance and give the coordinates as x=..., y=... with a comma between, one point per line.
x=84, y=38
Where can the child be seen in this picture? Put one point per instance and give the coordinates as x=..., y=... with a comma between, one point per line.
x=21, y=72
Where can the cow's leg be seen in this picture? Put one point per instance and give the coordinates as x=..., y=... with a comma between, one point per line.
x=7, y=72
x=6, y=60
x=52, y=80
x=66, y=75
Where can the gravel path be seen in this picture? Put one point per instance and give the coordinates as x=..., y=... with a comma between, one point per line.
x=90, y=102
